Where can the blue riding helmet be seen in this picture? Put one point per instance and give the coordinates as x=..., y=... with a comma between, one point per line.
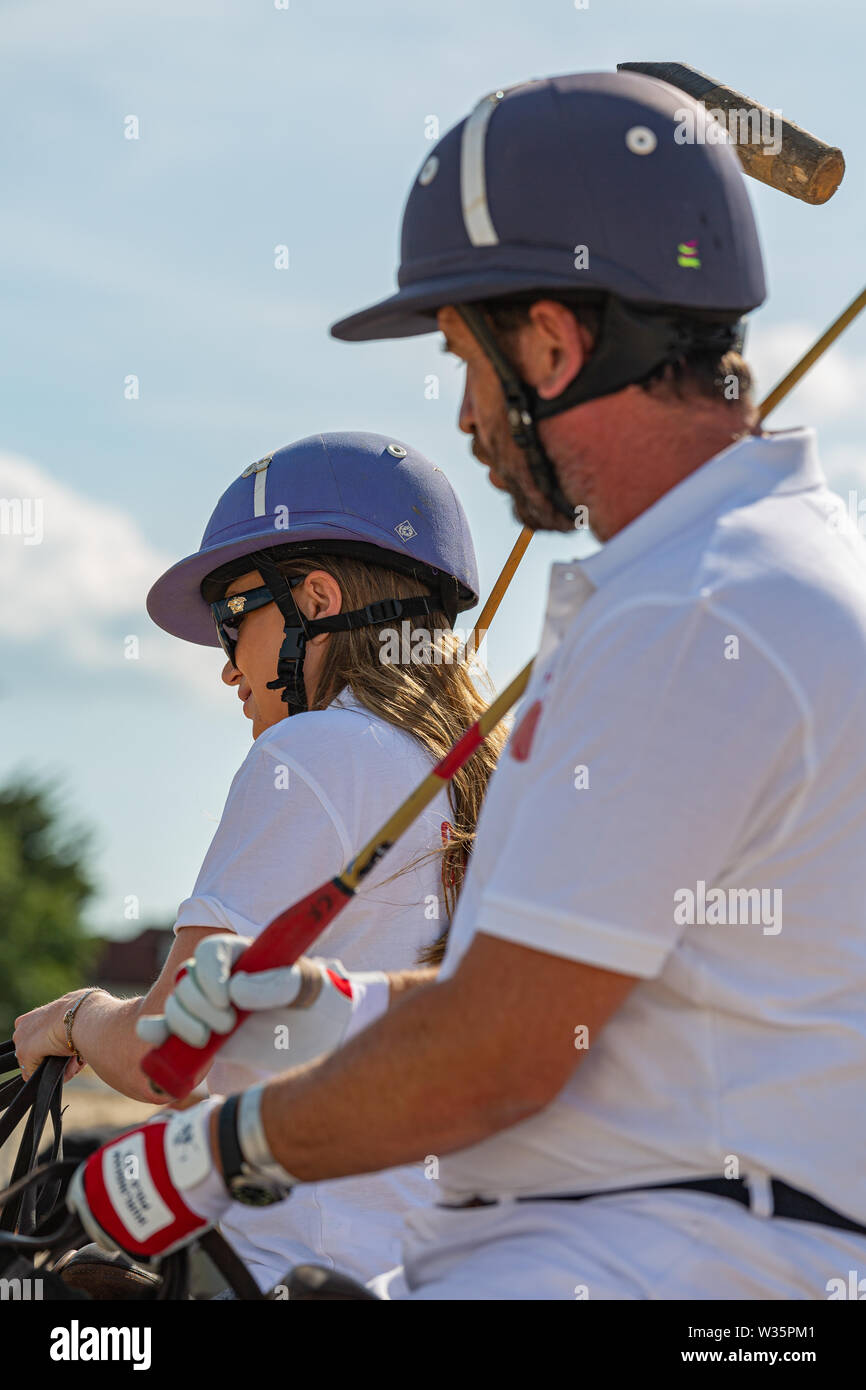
x=354, y=494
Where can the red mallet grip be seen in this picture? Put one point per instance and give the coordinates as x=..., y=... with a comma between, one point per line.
x=174, y=1067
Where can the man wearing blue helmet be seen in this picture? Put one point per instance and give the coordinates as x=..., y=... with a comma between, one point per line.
x=312, y=556
x=640, y=1069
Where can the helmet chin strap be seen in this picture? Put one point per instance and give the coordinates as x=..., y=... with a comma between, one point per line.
x=521, y=410
x=631, y=346
x=297, y=629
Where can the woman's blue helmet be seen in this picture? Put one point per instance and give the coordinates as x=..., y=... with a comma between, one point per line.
x=354, y=494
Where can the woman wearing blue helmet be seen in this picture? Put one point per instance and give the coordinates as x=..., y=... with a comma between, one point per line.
x=314, y=559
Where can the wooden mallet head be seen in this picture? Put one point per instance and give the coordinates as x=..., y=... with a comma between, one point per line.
x=771, y=149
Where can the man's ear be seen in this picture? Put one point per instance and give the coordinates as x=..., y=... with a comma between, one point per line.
x=560, y=346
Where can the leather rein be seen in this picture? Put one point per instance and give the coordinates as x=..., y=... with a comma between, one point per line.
x=34, y=1219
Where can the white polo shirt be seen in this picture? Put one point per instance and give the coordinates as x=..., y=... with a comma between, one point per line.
x=699, y=713
x=308, y=795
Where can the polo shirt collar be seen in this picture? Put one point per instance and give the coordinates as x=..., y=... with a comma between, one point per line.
x=346, y=699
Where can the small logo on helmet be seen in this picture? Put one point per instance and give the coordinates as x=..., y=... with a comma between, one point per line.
x=405, y=530
x=238, y=604
x=687, y=254
x=257, y=467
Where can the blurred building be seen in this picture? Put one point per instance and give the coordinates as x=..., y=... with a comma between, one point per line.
x=131, y=966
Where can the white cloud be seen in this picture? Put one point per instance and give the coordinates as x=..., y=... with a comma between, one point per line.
x=845, y=467
x=832, y=391
x=75, y=571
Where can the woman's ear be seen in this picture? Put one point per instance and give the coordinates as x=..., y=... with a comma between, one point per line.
x=319, y=596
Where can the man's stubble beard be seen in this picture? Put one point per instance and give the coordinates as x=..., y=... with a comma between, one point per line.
x=528, y=504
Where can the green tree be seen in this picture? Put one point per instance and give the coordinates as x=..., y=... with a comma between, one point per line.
x=44, y=947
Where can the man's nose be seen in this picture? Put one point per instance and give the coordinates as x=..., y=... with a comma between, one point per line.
x=466, y=419
x=230, y=673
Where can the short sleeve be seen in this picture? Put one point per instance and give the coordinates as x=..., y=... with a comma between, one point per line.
x=666, y=737
x=278, y=838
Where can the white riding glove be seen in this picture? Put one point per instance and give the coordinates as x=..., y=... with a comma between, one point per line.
x=298, y=1012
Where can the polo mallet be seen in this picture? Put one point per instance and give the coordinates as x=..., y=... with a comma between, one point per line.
x=802, y=166
x=818, y=348
x=497, y=593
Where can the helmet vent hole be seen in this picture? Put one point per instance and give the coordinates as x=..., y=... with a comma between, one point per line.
x=640, y=139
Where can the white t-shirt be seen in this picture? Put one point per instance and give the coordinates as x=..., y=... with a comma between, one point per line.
x=308, y=795
x=699, y=713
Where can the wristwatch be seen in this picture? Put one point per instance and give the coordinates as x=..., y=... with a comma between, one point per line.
x=246, y=1183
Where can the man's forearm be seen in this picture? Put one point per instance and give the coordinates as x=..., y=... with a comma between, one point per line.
x=429, y=1077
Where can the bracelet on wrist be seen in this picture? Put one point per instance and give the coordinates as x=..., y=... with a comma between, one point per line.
x=69, y=1017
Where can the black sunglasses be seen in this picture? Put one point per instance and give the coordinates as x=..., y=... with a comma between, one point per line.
x=229, y=613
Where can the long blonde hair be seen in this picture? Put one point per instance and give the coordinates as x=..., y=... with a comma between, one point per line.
x=433, y=700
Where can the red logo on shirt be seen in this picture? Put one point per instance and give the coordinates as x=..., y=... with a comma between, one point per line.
x=520, y=743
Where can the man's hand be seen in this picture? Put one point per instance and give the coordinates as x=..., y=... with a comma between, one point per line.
x=298, y=1012
x=154, y=1189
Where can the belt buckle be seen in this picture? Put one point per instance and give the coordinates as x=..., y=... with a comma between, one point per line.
x=760, y=1194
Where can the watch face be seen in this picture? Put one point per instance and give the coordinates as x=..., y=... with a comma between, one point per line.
x=253, y=1194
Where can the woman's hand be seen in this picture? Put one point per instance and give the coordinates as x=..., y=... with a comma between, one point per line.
x=42, y=1033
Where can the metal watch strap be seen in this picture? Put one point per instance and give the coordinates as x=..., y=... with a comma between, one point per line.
x=253, y=1141
x=247, y=1183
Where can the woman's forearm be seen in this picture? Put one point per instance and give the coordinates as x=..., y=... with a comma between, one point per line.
x=104, y=1034
x=401, y=982
x=104, y=1027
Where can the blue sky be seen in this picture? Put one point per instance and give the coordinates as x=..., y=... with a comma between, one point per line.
x=154, y=257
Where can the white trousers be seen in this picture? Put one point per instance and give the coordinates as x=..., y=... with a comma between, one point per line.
x=660, y=1245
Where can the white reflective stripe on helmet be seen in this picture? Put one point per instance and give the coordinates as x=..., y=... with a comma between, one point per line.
x=473, y=184
x=259, y=493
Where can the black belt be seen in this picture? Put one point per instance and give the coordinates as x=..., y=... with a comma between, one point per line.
x=788, y=1202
